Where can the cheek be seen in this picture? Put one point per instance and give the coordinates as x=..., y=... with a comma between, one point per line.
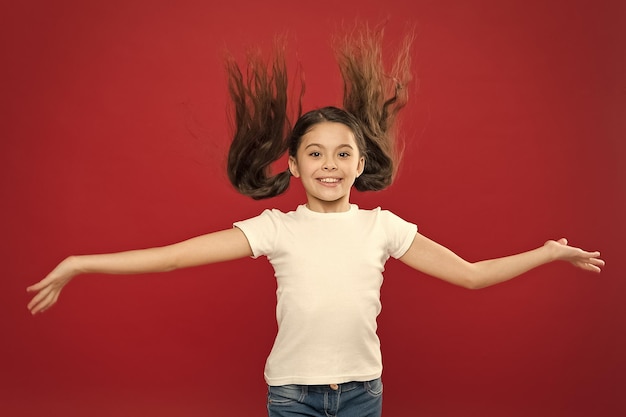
x=304, y=166
x=357, y=165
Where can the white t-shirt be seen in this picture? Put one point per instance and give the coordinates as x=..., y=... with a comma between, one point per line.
x=328, y=268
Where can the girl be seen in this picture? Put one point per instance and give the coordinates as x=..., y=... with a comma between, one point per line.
x=328, y=255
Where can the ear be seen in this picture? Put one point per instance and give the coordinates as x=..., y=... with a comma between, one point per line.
x=360, y=167
x=293, y=167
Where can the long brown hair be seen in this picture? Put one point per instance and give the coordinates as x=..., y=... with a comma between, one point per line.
x=375, y=96
x=262, y=129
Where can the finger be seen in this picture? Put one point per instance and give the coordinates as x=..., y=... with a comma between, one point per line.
x=45, y=304
x=597, y=261
x=38, y=297
x=593, y=259
x=39, y=285
x=587, y=266
x=585, y=254
x=562, y=241
x=54, y=300
x=35, y=287
x=41, y=300
x=593, y=268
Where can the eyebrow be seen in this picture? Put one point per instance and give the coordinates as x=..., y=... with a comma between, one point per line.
x=344, y=145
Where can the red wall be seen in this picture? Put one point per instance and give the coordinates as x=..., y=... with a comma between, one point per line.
x=113, y=137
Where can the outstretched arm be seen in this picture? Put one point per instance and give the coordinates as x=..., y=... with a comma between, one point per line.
x=213, y=247
x=438, y=261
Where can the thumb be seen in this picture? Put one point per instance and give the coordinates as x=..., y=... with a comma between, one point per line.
x=36, y=287
x=562, y=241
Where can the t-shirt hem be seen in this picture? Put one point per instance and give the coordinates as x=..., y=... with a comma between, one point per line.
x=320, y=380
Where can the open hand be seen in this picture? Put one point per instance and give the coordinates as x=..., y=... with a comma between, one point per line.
x=589, y=261
x=48, y=289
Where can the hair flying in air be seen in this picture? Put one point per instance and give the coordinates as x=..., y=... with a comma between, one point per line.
x=262, y=130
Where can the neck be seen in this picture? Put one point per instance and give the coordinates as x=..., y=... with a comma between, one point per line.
x=338, y=206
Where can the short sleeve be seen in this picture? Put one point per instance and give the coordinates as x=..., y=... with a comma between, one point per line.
x=261, y=232
x=400, y=233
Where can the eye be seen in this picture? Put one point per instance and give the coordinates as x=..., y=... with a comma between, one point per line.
x=344, y=154
x=315, y=154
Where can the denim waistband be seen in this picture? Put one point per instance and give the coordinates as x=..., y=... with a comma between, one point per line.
x=346, y=386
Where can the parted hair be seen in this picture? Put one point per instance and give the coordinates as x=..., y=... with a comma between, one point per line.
x=372, y=98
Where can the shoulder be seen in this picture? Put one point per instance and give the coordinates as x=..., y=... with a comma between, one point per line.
x=381, y=215
x=399, y=232
x=263, y=231
x=274, y=216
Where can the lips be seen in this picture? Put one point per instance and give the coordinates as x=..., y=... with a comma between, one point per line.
x=329, y=180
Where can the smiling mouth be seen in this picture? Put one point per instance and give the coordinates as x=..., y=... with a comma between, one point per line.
x=329, y=180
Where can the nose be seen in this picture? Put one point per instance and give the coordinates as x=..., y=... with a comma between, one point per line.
x=329, y=164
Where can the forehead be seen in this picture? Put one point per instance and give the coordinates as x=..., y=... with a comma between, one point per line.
x=329, y=135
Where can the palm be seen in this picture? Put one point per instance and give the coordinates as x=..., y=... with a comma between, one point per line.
x=589, y=261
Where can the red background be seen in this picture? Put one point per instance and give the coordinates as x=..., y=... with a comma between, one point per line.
x=114, y=135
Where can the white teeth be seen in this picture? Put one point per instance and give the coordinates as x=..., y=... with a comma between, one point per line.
x=329, y=179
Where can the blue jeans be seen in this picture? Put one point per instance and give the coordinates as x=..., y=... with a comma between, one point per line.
x=352, y=399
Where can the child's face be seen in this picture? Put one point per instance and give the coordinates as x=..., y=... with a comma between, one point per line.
x=327, y=162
